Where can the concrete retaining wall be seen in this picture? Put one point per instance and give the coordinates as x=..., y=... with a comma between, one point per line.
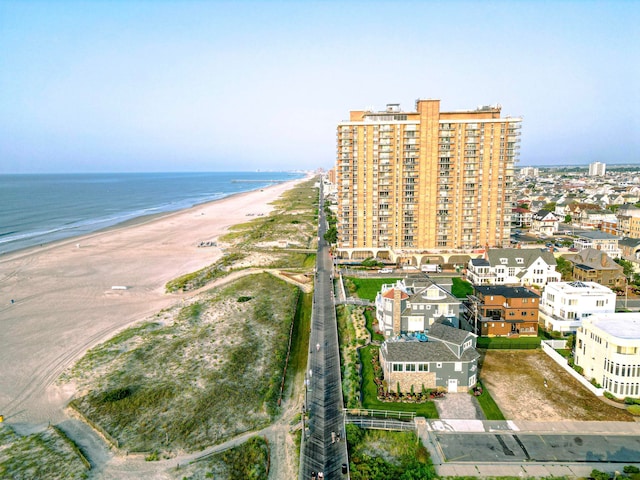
x=560, y=360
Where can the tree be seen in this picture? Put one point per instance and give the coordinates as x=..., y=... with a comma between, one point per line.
x=565, y=267
x=524, y=205
x=627, y=266
x=567, y=218
x=551, y=206
x=614, y=208
x=331, y=235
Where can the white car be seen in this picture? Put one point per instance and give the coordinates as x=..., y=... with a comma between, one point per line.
x=385, y=270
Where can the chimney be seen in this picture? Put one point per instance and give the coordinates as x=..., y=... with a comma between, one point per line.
x=603, y=260
x=397, y=310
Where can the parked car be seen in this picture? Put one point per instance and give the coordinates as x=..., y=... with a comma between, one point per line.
x=385, y=270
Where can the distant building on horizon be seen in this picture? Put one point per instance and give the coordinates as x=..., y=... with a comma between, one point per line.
x=597, y=169
x=412, y=181
x=529, y=172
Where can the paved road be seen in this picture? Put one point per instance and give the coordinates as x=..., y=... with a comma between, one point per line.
x=321, y=451
x=536, y=449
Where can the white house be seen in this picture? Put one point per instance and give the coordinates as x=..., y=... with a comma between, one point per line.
x=545, y=222
x=514, y=266
x=564, y=305
x=602, y=241
x=608, y=350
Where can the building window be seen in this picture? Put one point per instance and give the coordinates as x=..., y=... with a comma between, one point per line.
x=397, y=367
x=423, y=367
x=410, y=367
x=458, y=366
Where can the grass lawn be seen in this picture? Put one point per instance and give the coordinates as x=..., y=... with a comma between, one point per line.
x=368, y=288
x=461, y=288
x=371, y=318
x=370, y=391
x=489, y=406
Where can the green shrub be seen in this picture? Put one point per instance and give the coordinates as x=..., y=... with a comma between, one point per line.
x=243, y=299
x=631, y=469
x=634, y=410
x=610, y=396
x=598, y=475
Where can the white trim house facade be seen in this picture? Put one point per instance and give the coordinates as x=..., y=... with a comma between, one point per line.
x=608, y=350
x=514, y=267
x=564, y=305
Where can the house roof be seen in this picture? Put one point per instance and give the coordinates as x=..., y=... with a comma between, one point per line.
x=480, y=262
x=448, y=334
x=629, y=242
x=507, y=292
x=594, y=259
x=543, y=214
x=389, y=294
x=421, y=295
x=528, y=256
x=431, y=351
x=623, y=325
x=597, y=235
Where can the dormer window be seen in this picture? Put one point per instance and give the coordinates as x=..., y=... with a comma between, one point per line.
x=504, y=261
x=520, y=261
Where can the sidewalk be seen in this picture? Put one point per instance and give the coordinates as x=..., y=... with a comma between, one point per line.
x=427, y=429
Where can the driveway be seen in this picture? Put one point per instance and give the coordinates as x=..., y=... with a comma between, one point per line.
x=458, y=406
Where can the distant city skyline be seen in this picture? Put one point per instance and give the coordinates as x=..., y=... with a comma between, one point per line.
x=141, y=86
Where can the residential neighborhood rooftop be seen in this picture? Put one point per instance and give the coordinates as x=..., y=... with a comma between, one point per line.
x=624, y=325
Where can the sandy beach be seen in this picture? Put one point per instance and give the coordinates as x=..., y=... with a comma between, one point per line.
x=63, y=301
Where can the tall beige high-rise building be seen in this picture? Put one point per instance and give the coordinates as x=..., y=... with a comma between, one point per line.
x=414, y=182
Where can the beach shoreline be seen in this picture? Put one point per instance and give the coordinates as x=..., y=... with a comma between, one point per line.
x=131, y=222
x=57, y=300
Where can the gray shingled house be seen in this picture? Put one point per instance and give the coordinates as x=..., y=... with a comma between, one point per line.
x=447, y=360
x=412, y=305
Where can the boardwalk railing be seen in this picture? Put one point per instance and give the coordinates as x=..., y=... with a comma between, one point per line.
x=366, y=412
x=355, y=301
x=380, y=424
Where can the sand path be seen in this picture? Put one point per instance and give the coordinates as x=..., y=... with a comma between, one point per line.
x=64, y=303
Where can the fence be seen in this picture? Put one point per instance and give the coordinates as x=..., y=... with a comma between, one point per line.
x=379, y=424
x=367, y=412
x=560, y=360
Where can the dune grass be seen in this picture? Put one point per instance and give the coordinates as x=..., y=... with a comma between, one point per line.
x=47, y=454
x=386, y=455
x=294, y=219
x=249, y=461
x=193, y=381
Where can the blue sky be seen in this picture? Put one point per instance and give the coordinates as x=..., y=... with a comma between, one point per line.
x=99, y=86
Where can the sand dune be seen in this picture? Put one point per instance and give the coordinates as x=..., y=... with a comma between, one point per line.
x=64, y=302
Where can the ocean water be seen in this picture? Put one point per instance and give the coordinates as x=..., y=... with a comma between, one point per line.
x=38, y=209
